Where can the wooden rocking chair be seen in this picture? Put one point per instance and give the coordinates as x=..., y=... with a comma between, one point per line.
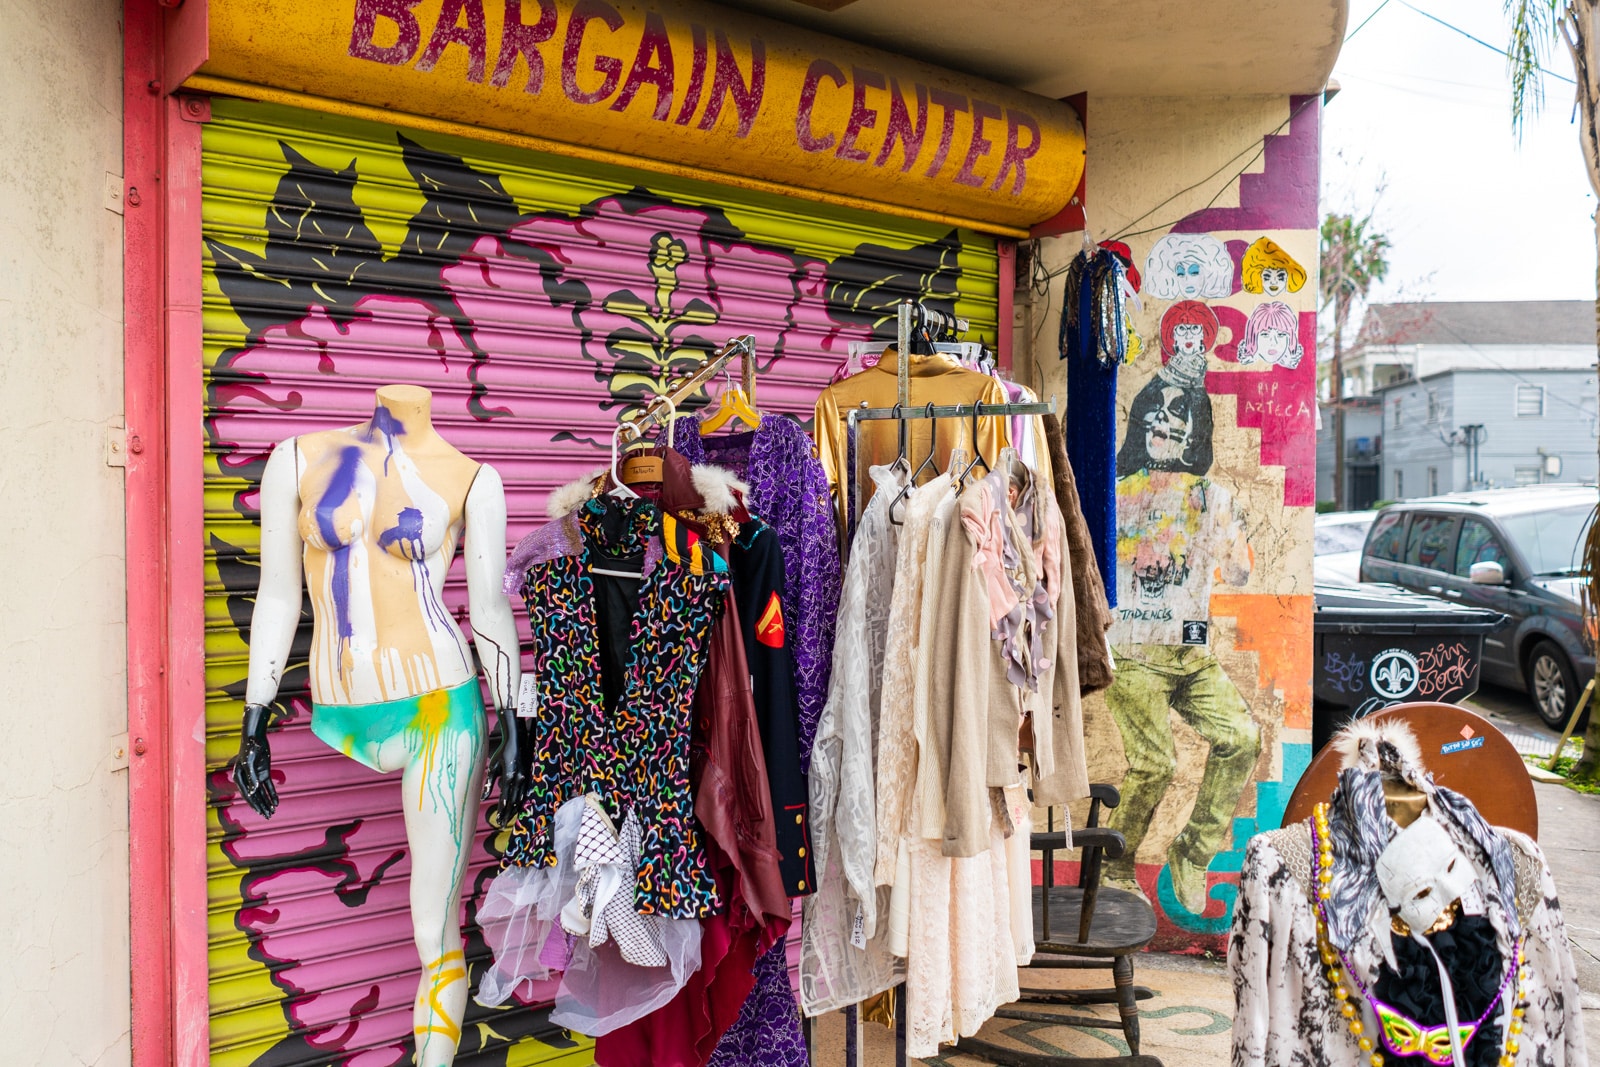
x=1109, y=925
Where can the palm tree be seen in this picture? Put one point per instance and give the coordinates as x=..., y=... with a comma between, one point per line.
x=1354, y=257
x=1536, y=26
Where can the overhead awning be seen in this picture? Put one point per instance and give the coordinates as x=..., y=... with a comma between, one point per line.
x=688, y=88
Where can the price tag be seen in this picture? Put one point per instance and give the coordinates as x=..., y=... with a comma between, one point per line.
x=528, y=697
x=858, y=930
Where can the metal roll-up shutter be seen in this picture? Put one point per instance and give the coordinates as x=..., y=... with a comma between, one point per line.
x=537, y=297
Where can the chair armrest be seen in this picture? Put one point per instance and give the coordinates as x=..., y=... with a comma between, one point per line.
x=1109, y=841
x=1108, y=795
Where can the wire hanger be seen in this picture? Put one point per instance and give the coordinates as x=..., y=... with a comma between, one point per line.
x=732, y=403
x=977, y=453
x=933, y=450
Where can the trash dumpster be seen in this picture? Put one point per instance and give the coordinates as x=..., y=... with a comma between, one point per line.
x=1377, y=645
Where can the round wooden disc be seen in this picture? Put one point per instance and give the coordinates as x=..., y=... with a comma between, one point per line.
x=1463, y=750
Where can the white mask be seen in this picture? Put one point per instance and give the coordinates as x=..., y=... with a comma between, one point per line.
x=1422, y=872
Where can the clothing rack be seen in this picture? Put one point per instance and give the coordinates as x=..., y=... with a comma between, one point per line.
x=671, y=403
x=913, y=317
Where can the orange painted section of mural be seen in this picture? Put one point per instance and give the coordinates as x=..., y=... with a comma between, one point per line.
x=1206, y=725
x=696, y=85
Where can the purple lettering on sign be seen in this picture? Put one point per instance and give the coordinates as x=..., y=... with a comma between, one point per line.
x=448, y=31
x=697, y=76
x=951, y=103
x=861, y=116
x=610, y=67
x=900, y=128
x=819, y=69
x=364, y=31
x=729, y=82
x=982, y=111
x=652, y=65
x=1017, y=154
x=521, y=39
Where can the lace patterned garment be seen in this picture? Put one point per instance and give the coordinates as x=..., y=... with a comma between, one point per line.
x=789, y=491
x=1285, y=1014
x=833, y=971
x=897, y=748
x=768, y=1028
x=962, y=964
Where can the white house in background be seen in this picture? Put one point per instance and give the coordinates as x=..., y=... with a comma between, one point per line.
x=1412, y=341
x=1485, y=428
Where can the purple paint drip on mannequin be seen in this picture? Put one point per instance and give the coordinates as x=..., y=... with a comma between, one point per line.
x=339, y=489
x=384, y=422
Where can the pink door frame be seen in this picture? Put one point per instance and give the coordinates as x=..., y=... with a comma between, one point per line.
x=165, y=552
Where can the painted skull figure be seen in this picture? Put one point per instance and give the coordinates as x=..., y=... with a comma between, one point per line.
x=1422, y=872
x=1167, y=428
x=1159, y=564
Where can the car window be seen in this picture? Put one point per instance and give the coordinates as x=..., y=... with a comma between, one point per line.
x=1430, y=541
x=1340, y=537
x=1551, y=541
x=1478, y=544
x=1388, y=539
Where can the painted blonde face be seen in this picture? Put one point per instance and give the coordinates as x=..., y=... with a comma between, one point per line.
x=1274, y=281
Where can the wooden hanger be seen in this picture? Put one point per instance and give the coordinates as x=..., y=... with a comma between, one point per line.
x=646, y=468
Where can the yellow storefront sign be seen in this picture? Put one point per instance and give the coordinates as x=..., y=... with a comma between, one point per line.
x=698, y=88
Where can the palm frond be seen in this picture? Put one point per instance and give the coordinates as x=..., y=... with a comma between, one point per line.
x=1534, y=26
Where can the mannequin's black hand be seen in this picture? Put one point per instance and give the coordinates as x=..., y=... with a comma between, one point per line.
x=252, y=768
x=505, y=766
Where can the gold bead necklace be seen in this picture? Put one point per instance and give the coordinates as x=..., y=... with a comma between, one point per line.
x=1400, y=1035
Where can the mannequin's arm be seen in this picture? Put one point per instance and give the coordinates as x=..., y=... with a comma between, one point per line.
x=278, y=596
x=272, y=623
x=494, y=630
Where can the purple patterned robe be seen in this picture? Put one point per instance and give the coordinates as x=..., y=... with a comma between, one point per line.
x=789, y=491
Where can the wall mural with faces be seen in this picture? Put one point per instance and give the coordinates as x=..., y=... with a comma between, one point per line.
x=1206, y=726
x=1188, y=266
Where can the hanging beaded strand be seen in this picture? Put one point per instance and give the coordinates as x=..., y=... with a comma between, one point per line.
x=1338, y=967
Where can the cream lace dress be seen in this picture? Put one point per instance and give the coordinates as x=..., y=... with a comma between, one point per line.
x=842, y=963
x=962, y=964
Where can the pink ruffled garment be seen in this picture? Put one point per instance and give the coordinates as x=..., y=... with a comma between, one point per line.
x=599, y=990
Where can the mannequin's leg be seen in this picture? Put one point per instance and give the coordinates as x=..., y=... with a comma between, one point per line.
x=440, y=794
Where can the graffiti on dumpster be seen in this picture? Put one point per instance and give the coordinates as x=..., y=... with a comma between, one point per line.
x=1444, y=667
x=1345, y=674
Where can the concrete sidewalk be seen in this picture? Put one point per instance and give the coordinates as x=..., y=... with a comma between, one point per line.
x=1187, y=1024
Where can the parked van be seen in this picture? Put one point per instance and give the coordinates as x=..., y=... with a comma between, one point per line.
x=1516, y=551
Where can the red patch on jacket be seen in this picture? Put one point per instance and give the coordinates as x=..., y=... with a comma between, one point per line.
x=769, y=628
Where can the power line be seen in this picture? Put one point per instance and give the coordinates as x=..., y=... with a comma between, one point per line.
x=1480, y=40
x=1366, y=20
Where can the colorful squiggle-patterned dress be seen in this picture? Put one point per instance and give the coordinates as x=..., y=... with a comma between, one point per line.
x=632, y=749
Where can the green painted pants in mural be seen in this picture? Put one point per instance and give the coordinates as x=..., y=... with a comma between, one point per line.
x=1188, y=680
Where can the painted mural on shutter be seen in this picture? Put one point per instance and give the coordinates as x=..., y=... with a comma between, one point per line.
x=539, y=299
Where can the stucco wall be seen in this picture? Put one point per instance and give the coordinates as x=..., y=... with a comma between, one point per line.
x=1224, y=545
x=63, y=796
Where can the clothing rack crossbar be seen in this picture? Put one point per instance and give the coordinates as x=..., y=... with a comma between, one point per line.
x=667, y=405
x=912, y=412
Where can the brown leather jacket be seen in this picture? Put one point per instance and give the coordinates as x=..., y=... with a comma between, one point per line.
x=732, y=799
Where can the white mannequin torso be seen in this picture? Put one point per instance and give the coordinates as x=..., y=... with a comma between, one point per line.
x=373, y=513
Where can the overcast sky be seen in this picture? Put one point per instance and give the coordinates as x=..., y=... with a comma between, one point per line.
x=1472, y=214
